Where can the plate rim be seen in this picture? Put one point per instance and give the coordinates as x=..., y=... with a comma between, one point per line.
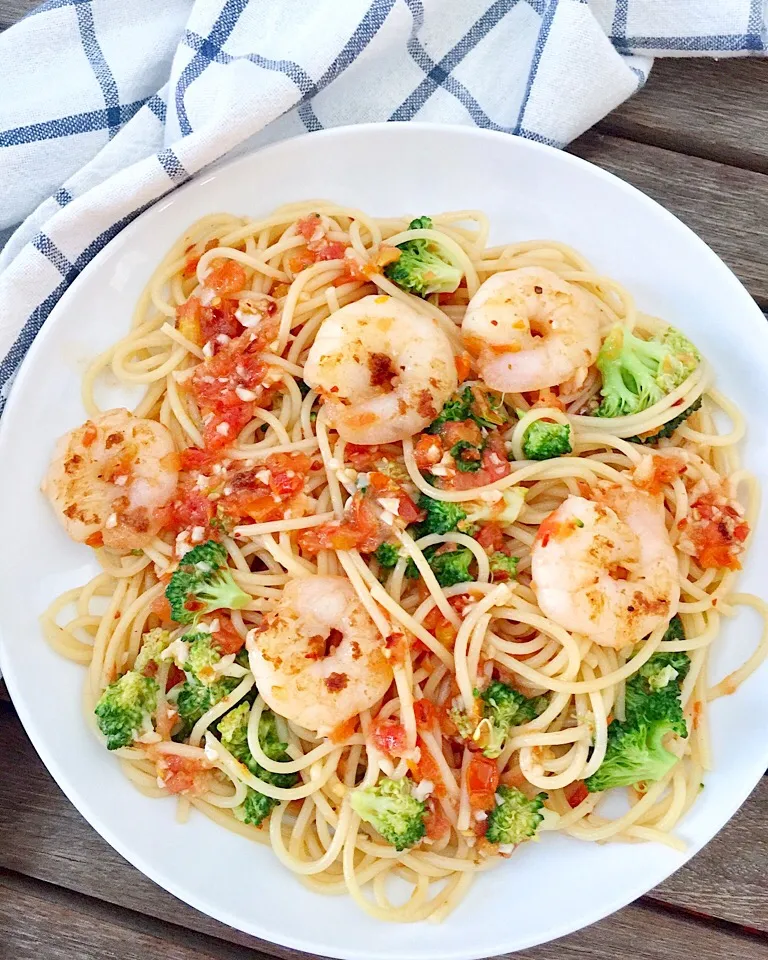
x=36, y=735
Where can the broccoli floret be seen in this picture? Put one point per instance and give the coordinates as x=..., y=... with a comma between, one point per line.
x=502, y=566
x=392, y=811
x=638, y=373
x=202, y=583
x=472, y=403
x=202, y=657
x=652, y=710
x=441, y=516
x=233, y=730
x=194, y=698
x=449, y=568
x=504, y=708
x=543, y=440
x=670, y=426
x=387, y=555
x=515, y=818
x=125, y=709
x=255, y=808
x=153, y=644
x=674, y=631
x=421, y=268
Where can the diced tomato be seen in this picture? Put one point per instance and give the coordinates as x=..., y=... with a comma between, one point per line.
x=188, y=316
x=428, y=451
x=217, y=386
x=425, y=713
x=364, y=458
x=193, y=458
x=95, y=539
x=396, y=648
x=227, y=639
x=490, y=537
x=360, y=529
x=308, y=225
x=332, y=250
x=383, y=486
x=287, y=473
x=716, y=531
x=182, y=774
x=576, y=793
x=388, y=735
x=219, y=319
x=226, y=278
x=493, y=466
x=300, y=261
x=427, y=769
x=161, y=607
x=190, y=508
x=663, y=471
x=435, y=821
x=175, y=676
x=343, y=731
x=482, y=782
x=440, y=627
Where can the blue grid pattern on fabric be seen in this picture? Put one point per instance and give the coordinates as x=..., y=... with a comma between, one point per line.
x=88, y=122
x=439, y=74
x=42, y=311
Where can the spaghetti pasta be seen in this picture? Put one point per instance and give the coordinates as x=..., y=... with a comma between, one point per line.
x=220, y=341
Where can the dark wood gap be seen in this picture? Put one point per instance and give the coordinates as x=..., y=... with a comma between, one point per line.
x=705, y=919
x=102, y=911
x=727, y=154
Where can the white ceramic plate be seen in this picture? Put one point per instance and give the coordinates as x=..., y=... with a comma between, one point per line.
x=547, y=889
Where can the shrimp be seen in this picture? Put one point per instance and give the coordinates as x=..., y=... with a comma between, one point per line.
x=528, y=329
x=318, y=658
x=110, y=478
x=606, y=569
x=383, y=370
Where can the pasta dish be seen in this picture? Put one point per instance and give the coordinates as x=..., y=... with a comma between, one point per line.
x=412, y=552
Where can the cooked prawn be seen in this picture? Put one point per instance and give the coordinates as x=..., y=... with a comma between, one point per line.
x=529, y=329
x=383, y=369
x=606, y=569
x=318, y=658
x=109, y=479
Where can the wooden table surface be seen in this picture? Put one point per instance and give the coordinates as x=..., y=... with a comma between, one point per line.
x=695, y=139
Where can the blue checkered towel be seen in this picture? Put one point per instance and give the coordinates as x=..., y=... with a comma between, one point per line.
x=106, y=105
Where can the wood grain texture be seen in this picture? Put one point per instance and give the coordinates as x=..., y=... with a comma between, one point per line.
x=38, y=923
x=41, y=922
x=714, y=109
x=13, y=10
x=43, y=836
x=726, y=206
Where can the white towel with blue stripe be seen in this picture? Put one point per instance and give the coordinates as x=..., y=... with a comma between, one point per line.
x=106, y=105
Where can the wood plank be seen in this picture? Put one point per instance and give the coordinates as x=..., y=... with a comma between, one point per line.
x=37, y=923
x=43, y=836
x=13, y=10
x=724, y=205
x=715, y=109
